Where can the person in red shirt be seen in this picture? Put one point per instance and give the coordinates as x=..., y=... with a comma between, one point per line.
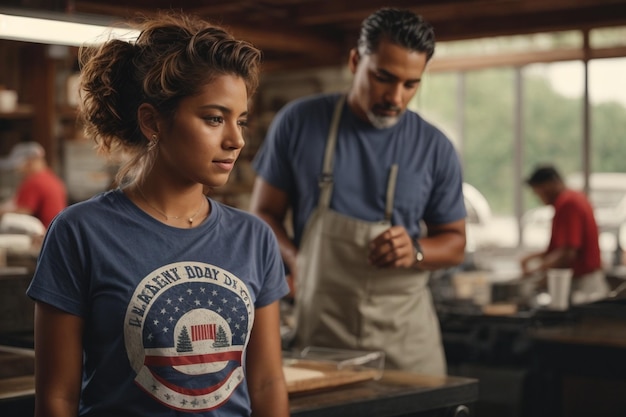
x=574, y=239
x=41, y=193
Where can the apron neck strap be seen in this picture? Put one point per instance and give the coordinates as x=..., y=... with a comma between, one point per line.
x=326, y=180
x=391, y=189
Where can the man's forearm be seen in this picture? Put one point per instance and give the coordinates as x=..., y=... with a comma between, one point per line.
x=442, y=250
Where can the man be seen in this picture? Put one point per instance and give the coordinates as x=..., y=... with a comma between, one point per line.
x=41, y=193
x=574, y=239
x=360, y=173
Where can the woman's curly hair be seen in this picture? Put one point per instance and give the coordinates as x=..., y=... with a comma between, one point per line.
x=173, y=57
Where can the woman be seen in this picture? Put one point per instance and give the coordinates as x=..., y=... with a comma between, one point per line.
x=151, y=299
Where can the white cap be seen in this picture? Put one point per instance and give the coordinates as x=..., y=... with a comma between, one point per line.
x=20, y=153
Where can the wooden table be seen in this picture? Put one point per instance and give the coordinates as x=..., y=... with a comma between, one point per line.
x=396, y=394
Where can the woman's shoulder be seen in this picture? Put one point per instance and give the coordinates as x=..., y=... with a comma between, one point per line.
x=240, y=219
x=235, y=214
x=92, y=207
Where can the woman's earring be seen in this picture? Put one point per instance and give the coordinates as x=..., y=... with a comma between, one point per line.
x=153, y=143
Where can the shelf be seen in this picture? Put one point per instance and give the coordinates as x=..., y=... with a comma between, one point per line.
x=23, y=111
x=67, y=113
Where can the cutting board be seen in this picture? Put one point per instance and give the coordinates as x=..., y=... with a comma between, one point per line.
x=308, y=375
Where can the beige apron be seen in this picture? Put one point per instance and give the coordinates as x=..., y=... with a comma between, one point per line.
x=589, y=287
x=343, y=302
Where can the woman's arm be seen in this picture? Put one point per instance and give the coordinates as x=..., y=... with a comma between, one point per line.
x=266, y=382
x=58, y=361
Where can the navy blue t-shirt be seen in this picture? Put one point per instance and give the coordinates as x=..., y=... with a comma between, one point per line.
x=168, y=311
x=429, y=182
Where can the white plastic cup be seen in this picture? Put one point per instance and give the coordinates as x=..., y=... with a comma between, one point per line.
x=559, y=285
x=8, y=100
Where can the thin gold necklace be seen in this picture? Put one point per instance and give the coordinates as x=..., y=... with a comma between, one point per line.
x=167, y=218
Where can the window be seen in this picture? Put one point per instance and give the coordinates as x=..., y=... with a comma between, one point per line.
x=510, y=103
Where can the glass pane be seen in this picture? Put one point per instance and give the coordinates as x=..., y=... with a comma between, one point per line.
x=607, y=37
x=487, y=150
x=510, y=44
x=553, y=110
x=607, y=91
x=553, y=134
x=489, y=132
x=436, y=102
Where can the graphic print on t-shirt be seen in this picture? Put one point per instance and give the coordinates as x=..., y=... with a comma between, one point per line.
x=185, y=330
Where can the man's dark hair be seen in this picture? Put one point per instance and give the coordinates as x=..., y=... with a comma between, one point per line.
x=543, y=174
x=402, y=27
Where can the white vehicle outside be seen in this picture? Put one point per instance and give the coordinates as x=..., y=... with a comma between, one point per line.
x=483, y=229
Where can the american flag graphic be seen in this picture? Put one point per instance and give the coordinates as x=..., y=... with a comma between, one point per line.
x=192, y=336
x=203, y=332
x=176, y=301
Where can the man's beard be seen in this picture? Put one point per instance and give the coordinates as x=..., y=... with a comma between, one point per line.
x=383, y=122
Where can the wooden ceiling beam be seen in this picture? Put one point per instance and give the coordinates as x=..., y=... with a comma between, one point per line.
x=478, y=27
x=288, y=41
x=332, y=11
x=308, y=33
x=268, y=36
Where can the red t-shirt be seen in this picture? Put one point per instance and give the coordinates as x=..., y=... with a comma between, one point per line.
x=574, y=226
x=44, y=194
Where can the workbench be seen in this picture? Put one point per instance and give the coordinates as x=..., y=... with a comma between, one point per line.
x=396, y=394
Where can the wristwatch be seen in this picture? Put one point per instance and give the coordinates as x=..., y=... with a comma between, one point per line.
x=419, y=254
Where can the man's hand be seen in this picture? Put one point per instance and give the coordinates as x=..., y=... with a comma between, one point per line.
x=392, y=249
x=531, y=263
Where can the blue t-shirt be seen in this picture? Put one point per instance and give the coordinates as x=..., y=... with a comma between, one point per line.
x=429, y=183
x=168, y=311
